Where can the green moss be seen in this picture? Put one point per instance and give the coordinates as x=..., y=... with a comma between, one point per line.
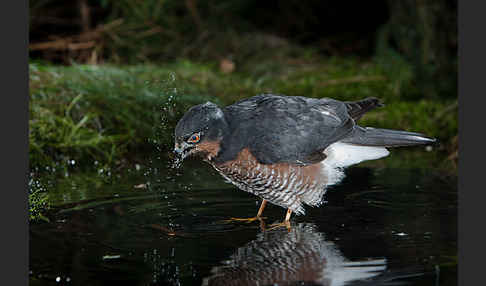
x=38, y=204
x=38, y=200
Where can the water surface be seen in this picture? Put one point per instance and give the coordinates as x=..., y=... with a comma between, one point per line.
x=387, y=223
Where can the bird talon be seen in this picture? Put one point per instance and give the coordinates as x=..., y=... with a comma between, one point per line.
x=285, y=223
x=247, y=220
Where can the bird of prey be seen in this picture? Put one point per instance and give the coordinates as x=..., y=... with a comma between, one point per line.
x=285, y=149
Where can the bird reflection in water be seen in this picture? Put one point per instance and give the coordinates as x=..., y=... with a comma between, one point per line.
x=280, y=257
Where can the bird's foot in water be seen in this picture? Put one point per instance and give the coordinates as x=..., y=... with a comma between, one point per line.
x=248, y=220
x=284, y=223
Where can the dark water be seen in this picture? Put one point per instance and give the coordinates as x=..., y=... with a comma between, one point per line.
x=385, y=224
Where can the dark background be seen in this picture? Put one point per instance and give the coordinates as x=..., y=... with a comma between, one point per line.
x=423, y=33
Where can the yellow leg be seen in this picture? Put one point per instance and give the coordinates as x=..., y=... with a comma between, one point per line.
x=285, y=223
x=262, y=207
x=257, y=217
x=287, y=216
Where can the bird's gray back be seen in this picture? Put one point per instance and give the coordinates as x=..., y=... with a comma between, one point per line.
x=288, y=129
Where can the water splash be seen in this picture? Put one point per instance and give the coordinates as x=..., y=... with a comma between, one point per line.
x=176, y=162
x=169, y=89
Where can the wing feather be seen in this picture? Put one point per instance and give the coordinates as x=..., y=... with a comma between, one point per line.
x=356, y=109
x=288, y=129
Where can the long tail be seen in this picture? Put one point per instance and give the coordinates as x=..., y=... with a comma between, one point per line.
x=368, y=136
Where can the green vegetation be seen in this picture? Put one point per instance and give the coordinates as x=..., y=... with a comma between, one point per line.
x=38, y=199
x=100, y=113
x=107, y=113
x=38, y=202
x=105, y=116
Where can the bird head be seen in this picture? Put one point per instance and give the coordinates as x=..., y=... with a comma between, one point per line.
x=203, y=123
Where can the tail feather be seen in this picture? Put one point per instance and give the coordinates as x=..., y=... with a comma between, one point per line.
x=368, y=136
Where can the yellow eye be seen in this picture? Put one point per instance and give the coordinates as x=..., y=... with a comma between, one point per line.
x=194, y=138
